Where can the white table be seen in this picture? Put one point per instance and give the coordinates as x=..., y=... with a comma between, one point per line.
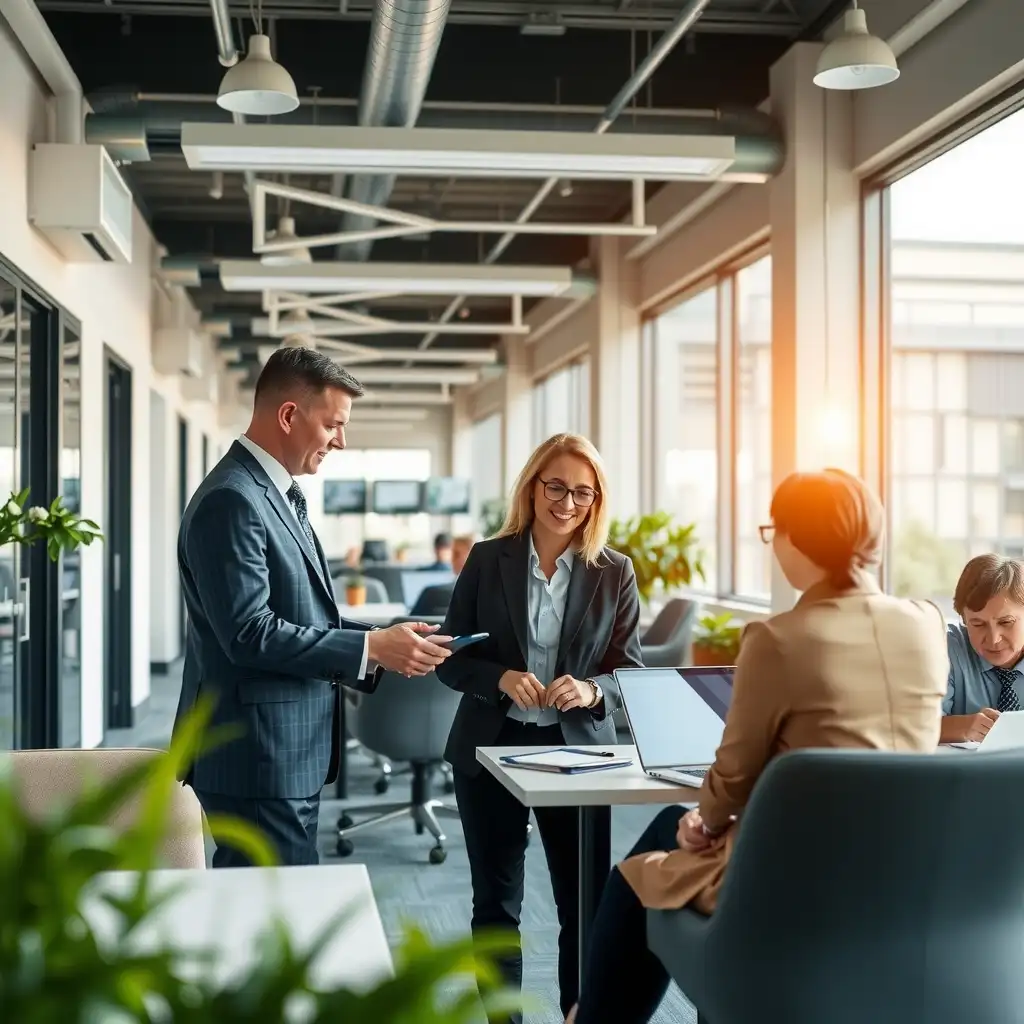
x=593, y=794
x=225, y=910
x=375, y=614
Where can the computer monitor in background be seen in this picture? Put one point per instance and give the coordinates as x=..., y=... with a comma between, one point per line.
x=397, y=497
x=446, y=496
x=375, y=551
x=344, y=497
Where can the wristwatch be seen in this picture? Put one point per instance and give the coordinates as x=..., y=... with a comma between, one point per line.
x=598, y=693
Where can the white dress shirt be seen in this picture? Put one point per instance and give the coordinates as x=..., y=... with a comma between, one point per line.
x=545, y=602
x=283, y=480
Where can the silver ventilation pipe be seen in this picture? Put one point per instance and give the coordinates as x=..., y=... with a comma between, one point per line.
x=404, y=37
x=226, y=52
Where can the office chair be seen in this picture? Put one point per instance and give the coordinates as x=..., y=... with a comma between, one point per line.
x=47, y=779
x=864, y=887
x=403, y=720
x=667, y=642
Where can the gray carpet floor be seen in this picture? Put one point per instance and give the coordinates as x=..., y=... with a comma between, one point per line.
x=410, y=889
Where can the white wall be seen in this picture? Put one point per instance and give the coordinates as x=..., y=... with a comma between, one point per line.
x=113, y=304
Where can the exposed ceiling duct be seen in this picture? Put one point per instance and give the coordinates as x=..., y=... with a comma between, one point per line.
x=404, y=37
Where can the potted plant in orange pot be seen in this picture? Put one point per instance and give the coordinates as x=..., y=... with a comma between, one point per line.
x=355, y=591
x=717, y=640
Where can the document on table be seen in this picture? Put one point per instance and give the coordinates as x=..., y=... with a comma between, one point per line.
x=565, y=759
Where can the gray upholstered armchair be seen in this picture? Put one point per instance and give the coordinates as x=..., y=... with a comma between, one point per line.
x=864, y=886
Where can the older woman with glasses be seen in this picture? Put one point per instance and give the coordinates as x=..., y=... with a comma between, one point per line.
x=562, y=613
x=848, y=666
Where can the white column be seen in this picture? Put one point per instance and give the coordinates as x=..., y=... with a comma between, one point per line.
x=615, y=375
x=516, y=440
x=460, y=460
x=814, y=201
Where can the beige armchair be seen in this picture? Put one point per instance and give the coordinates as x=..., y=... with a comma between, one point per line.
x=47, y=778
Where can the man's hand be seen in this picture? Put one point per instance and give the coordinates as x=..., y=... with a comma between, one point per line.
x=690, y=835
x=408, y=647
x=524, y=688
x=566, y=693
x=967, y=728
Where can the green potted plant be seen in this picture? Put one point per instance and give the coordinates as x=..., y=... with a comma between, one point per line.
x=663, y=554
x=717, y=640
x=355, y=591
x=492, y=516
x=56, y=966
x=58, y=527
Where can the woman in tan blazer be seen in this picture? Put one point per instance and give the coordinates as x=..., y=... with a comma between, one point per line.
x=848, y=666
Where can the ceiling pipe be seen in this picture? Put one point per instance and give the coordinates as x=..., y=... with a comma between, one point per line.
x=686, y=19
x=227, y=54
x=404, y=37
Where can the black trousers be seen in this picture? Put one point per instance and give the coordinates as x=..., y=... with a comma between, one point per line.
x=494, y=823
x=289, y=824
x=623, y=981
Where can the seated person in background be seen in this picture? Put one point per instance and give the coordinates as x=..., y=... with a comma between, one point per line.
x=848, y=666
x=461, y=547
x=442, y=552
x=985, y=648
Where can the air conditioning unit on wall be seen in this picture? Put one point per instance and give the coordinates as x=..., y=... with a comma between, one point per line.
x=179, y=350
x=79, y=200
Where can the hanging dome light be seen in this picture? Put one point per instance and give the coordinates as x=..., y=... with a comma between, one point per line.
x=295, y=254
x=856, y=59
x=258, y=85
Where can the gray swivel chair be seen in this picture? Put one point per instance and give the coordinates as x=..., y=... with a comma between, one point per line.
x=668, y=640
x=404, y=720
x=864, y=887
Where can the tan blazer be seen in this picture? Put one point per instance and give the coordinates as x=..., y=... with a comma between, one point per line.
x=852, y=669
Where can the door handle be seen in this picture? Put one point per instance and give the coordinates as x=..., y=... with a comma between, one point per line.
x=117, y=571
x=25, y=607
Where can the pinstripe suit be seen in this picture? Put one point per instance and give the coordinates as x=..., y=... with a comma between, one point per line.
x=265, y=639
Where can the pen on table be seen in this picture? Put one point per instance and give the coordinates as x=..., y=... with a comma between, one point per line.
x=591, y=753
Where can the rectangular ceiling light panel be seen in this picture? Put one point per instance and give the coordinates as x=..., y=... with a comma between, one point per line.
x=405, y=278
x=454, y=151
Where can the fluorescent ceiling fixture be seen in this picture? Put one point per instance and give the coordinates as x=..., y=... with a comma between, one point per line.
x=404, y=278
x=452, y=151
x=856, y=59
x=258, y=85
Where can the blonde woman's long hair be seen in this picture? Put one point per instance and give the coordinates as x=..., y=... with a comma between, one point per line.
x=592, y=536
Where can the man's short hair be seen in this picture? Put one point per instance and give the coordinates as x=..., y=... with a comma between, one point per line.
x=985, y=577
x=296, y=371
x=442, y=540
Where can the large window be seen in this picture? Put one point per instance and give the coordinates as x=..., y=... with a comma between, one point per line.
x=711, y=424
x=956, y=362
x=488, y=485
x=561, y=402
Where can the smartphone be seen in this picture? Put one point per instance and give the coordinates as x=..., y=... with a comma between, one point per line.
x=458, y=642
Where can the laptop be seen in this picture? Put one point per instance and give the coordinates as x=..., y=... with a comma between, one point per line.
x=677, y=716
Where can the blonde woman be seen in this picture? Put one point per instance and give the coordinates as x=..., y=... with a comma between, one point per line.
x=562, y=611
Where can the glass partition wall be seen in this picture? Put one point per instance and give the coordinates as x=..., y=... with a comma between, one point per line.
x=40, y=687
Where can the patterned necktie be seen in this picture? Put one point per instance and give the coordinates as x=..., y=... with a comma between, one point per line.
x=1008, y=700
x=298, y=500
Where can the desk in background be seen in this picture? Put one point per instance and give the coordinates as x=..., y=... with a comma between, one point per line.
x=593, y=794
x=224, y=911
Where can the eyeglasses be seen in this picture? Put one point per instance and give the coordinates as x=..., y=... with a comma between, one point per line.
x=767, y=533
x=555, y=490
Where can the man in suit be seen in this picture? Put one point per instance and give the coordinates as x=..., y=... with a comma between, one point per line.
x=265, y=639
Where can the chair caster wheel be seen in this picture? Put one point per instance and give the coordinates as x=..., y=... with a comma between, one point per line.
x=344, y=848
x=345, y=822
x=438, y=854
x=381, y=786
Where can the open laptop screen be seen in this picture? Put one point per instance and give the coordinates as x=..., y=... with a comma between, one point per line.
x=676, y=715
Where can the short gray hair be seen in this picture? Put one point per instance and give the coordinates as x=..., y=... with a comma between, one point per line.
x=304, y=369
